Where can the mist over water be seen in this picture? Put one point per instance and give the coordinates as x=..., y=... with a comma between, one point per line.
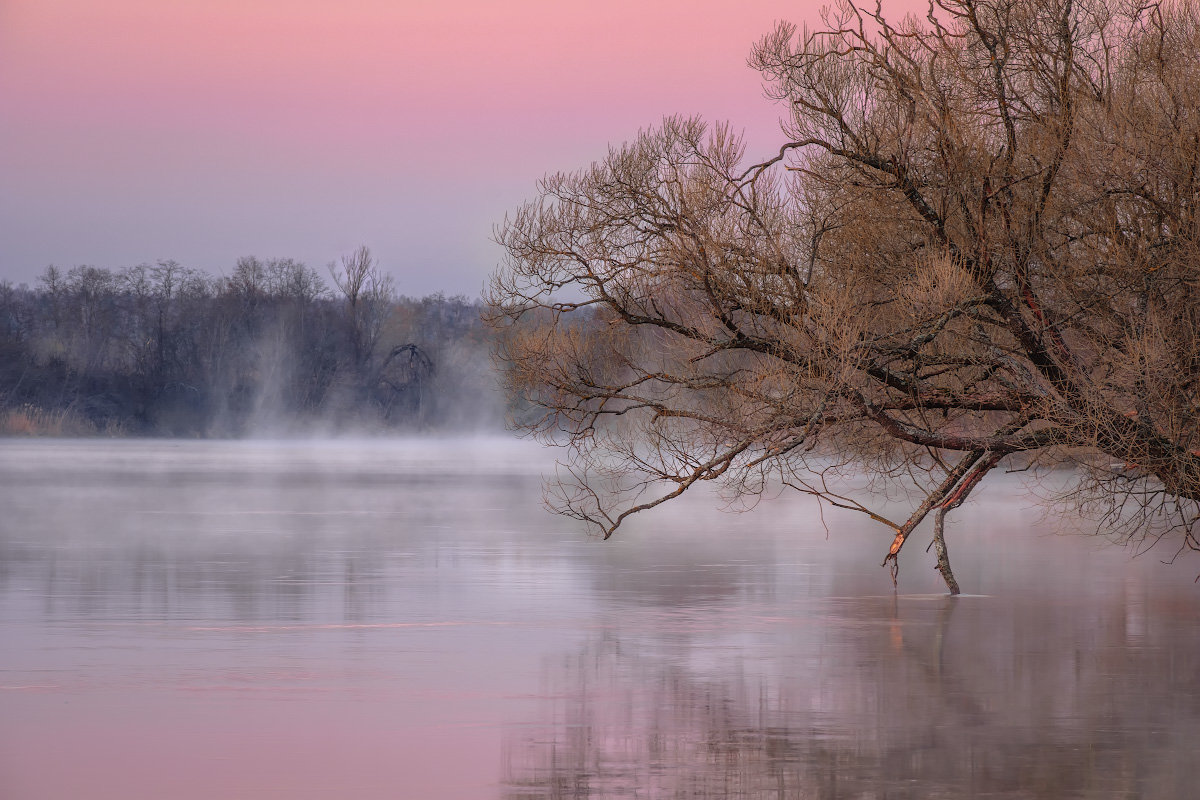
x=400, y=618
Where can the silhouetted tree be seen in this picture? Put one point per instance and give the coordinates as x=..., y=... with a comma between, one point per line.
x=166, y=349
x=369, y=293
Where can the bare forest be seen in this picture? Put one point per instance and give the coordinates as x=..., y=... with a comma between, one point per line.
x=977, y=248
x=274, y=348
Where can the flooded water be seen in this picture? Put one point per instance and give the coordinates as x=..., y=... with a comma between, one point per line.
x=403, y=620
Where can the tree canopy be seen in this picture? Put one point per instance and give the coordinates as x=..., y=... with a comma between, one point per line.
x=270, y=349
x=978, y=245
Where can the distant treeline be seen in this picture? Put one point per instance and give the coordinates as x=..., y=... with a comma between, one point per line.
x=272, y=349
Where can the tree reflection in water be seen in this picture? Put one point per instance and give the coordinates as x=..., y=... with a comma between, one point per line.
x=376, y=618
x=905, y=697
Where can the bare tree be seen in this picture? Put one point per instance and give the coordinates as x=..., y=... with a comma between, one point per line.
x=369, y=294
x=980, y=240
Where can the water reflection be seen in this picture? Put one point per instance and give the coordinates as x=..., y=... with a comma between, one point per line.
x=907, y=697
x=401, y=619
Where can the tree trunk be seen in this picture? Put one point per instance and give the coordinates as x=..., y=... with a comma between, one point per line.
x=939, y=546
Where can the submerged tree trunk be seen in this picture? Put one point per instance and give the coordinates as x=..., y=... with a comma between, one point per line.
x=956, y=499
x=939, y=546
x=949, y=495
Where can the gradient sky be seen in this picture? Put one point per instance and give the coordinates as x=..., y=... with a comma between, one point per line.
x=204, y=130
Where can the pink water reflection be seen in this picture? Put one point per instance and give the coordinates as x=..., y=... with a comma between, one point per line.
x=300, y=620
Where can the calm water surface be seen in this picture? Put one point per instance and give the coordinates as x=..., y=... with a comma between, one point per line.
x=402, y=620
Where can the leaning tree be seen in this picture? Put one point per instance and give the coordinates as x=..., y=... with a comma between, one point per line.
x=978, y=246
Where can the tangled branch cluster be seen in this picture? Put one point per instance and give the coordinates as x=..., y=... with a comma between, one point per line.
x=980, y=241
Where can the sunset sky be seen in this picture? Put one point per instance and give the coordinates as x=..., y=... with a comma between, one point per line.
x=204, y=130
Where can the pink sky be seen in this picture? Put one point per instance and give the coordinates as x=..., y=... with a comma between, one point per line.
x=203, y=130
